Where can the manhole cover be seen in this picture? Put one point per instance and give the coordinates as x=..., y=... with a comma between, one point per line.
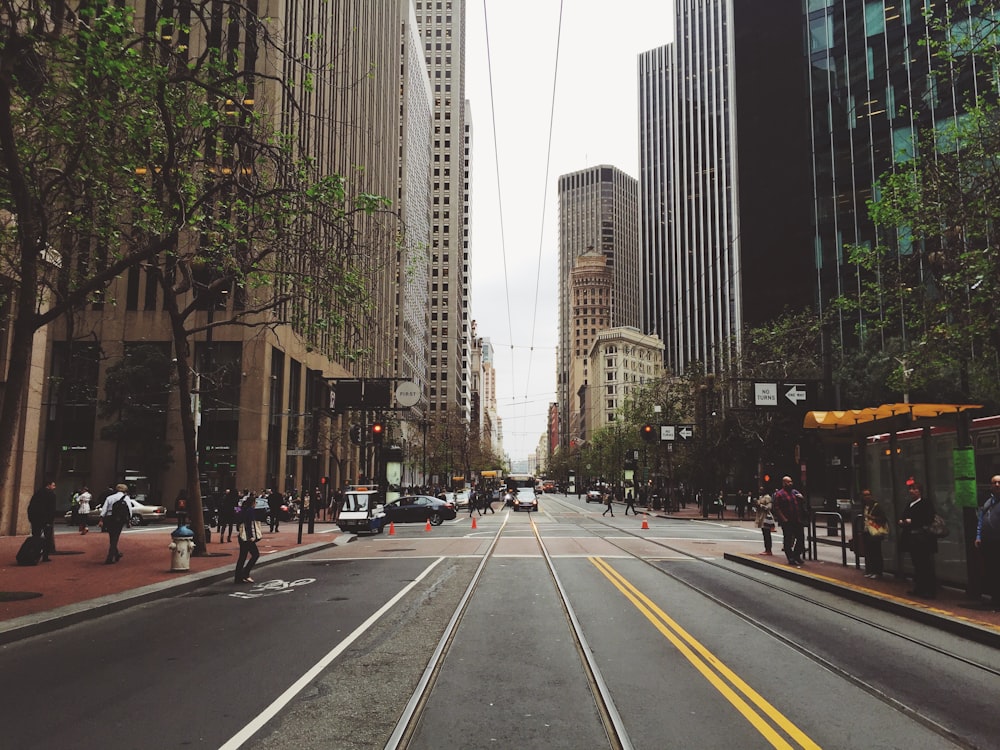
x=16, y=596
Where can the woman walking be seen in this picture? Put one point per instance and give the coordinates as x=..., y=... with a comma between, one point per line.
x=249, y=534
x=83, y=509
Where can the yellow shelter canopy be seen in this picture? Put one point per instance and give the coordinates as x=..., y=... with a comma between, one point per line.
x=840, y=420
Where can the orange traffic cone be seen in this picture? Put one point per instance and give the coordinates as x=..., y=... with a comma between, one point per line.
x=428, y=526
x=645, y=523
x=474, y=522
x=392, y=528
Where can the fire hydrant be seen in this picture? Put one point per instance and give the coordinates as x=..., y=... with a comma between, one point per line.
x=181, y=545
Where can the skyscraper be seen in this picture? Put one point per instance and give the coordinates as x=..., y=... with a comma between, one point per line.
x=875, y=83
x=598, y=213
x=442, y=28
x=723, y=163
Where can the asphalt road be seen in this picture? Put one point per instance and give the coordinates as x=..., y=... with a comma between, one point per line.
x=694, y=652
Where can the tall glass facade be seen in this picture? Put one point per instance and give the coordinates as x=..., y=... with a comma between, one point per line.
x=874, y=83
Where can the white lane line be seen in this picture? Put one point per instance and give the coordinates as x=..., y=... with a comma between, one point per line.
x=285, y=698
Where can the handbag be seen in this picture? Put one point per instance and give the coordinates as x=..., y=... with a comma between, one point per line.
x=937, y=528
x=768, y=523
x=877, y=529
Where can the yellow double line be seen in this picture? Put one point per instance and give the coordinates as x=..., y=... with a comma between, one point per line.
x=762, y=715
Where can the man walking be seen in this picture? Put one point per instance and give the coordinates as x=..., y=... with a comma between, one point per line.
x=41, y=514
x=274, y=499
x=630, y=503
x=608, y=500
x=988, y=542
x=789, y=510
x=115, y=515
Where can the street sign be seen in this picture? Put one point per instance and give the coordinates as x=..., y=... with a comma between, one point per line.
x=686, y=431
x=666, y=432
x=765, y=394
x=298, y=452
x=795, y=392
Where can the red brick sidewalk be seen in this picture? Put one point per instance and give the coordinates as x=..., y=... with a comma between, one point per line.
x=77, y=578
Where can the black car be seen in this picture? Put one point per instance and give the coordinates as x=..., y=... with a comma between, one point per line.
x=419, y=509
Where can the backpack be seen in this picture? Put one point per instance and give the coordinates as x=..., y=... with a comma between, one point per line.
x=121, y=514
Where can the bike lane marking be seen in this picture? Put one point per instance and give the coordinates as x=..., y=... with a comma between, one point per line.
x=238, y=739
x=721, y=677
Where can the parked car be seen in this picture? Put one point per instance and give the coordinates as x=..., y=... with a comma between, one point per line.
x=142, y=513
x=419, y=509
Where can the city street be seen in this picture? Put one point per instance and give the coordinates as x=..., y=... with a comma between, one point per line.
x=332, y=649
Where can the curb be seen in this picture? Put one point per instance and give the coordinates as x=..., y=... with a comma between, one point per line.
x=916, y=612
x=47, y=622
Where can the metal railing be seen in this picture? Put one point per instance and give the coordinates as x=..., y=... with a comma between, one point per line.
x=834, y=523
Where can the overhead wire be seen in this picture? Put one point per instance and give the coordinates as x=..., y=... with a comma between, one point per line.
x=548, y=160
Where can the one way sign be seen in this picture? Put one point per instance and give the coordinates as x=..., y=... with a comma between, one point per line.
x=796, y=393
x=686, y=431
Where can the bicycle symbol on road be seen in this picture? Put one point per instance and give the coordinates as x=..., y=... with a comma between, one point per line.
x=271, y=588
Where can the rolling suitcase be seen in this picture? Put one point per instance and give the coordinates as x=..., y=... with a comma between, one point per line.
x=30, y=552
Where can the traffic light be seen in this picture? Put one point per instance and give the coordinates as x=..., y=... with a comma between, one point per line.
x=356, y=434
x=378, y=430
x=648, y=433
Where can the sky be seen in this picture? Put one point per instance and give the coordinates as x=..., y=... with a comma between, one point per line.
x=541, y=118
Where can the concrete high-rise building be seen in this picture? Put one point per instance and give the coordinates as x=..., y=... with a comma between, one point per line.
x=442, y=29
x=260, y=388
x=723, y=131
x=621, y=360
x=598, y=213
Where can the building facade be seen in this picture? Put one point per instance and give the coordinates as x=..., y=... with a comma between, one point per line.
x=442, y=29
x=723, y=152
x=874, y=84
x=260, y=392
x=592, y=284
x=598, y=213
x=621, y=360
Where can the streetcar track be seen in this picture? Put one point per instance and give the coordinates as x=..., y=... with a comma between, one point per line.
x=893, y=703
x=611, y=720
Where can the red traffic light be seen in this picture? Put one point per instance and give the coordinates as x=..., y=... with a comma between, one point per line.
x=378, y=429
x=648, y=433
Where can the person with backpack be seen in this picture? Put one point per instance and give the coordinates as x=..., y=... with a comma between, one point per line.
x=115, y=516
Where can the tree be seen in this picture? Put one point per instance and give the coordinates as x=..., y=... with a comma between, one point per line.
x=188, y=180
x=930, y=286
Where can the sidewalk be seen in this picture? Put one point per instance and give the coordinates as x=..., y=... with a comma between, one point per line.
x=76, y=585
x=951, y=610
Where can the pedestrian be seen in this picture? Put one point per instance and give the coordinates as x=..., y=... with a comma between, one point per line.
x=876, y=529
x=83, y=509
x=227, y=513
x=487, y=500
x=988, y=542
x=720, y=506
x=114, y=518
x=42, y=514
x=274, y=499
x=763, y=519
x=916, y=540
x=630, y=503
x=608, y=503
x=742, y=500
x=248, y=534
x=789, y=510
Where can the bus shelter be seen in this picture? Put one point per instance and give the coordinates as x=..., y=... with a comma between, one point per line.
x=928, y=442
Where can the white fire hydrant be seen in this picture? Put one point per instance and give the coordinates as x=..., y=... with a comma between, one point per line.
x=181, y=546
